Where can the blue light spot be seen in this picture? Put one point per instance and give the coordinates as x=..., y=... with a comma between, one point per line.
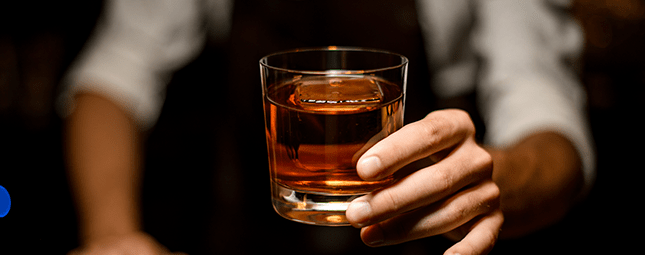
x=5, y=202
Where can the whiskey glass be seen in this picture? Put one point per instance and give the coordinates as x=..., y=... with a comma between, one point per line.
x=323, y=108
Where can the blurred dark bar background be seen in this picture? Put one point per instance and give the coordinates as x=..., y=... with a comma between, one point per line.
x=39, y=40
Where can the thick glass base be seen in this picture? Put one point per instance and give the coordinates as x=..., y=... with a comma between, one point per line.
x=311, y=208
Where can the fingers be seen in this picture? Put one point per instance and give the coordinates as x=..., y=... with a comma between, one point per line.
x=438, y=131
x=467, y=165
x=454, y=195
x=482, y=236
x=438, y=218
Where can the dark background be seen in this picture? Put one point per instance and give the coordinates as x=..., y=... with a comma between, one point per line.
x=206, y=188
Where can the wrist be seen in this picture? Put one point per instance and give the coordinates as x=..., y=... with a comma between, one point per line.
x=539, y=179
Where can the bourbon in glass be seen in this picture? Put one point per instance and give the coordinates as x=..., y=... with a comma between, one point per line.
x=317, y=127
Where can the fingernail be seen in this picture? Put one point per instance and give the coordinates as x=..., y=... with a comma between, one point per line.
x=358, y=213
x=369, y=167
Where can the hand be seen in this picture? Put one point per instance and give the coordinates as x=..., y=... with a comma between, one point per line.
x=455, y=196
x=135, y=244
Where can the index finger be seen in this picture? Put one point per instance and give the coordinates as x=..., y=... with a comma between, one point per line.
x=437, y=131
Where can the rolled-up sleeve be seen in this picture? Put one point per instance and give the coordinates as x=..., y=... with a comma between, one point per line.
x=132, y=53
x=527, y=80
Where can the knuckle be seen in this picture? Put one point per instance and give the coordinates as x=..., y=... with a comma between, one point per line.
x=500, y=217
x=392, y=201
x=483, y=161
x=463, y=119
x=446, y=127
x=427, y=135
x=440, y=122
x=428, y=129
x=466, y=211
x=444, y=181
x=495, y=191
x=491, y=195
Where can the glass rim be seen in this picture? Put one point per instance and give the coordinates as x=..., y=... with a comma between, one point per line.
x=404, y=60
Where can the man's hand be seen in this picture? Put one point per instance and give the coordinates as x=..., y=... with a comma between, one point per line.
x=136, y=243
x=456, y=196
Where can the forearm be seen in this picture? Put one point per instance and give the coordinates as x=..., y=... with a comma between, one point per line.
x=539, y=179
x=104, y=168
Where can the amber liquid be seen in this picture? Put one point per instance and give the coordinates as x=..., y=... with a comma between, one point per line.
x=318, y=127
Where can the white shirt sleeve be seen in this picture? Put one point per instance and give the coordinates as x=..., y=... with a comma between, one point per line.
x=527, y=82
x=132, y=53
x=518, y=55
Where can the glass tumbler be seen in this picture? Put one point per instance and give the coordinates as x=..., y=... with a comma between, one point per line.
x=323, y=108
